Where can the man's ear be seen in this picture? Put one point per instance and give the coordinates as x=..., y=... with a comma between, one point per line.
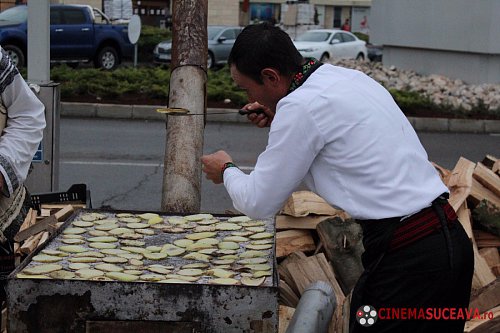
x=270, y=75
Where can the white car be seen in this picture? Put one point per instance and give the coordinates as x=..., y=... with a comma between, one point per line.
x=325, y=44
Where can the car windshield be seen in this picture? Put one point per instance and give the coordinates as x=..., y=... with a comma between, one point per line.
x=14, y=15
x=213, y=31
x=313, y=36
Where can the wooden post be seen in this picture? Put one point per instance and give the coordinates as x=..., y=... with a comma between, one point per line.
x=184, y=142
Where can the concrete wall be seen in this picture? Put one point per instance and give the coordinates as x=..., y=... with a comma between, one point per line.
x=223, y=12
x=456, y=38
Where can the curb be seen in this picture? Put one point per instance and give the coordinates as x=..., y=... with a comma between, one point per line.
x=148, y=112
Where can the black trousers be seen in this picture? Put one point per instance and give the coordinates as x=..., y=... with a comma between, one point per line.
x=419, y=276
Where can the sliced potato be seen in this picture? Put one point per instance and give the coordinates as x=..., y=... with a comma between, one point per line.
x=78, y=265
x=197, y=256
x=259, y=267
x=106, y=226
x=72, y=248
x=221, y=273
x=120, y=215
x=148, y=216
x=253, y=254
x=62, y=275
x=204, y=228
x=259, y=246
x=139, y=225
x=70, y=236
x=190, y=272
x=224, y=281
x=255, y=229
x=105, y=221
x=114, y=251
x=83, y=259
x=120, y=276
x=88, y=273
x=133, y=271
x=98, y=245
x=108, y=267
x=132, y=242
x=129, y=219
x=121, y=231
x=54, y=253
x=222, y=261
x=159, y=270
x=74, y=231
x=199, y=265
x=207, y=222
x=183, y=242
x=177, y=220
x=208, y=251
x=42, y=269
x=130, y=235
x=98, y=233
x=239, y=219
x=135, y=262
x=201, y=235
x=226, y=226
x=247, y=281
x=259, y=274
x=46, y=258
x=242, y=233
x=198, y=217
x=172, y=250
x=147, y=232
x=82, y=224
x=72, y=241
x=134, y=249
x=262, y=241
x=151, y=277
x=155, y=220
x=172, y=230
x=103, y=239
x=129, y=255
x=115, y=260
x=237, y=239
x=229, y=257
x=198, y=246
x=228, y=246
x=93, y=254
x=30, y=276
x=182, y=277
x=252, y=224
x=252, y=261
x=155, y=255
x=261, y=235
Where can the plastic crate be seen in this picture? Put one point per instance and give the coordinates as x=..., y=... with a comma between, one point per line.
x=76, y=193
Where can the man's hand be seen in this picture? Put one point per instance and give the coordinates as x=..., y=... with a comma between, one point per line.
x=261, y=120
x=213, y=163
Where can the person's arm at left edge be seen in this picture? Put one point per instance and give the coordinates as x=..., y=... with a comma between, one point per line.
x=24, y=128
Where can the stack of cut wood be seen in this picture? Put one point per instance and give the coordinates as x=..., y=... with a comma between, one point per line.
x=315, y=241
x=38, y=227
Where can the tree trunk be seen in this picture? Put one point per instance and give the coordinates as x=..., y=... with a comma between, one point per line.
x=184, y=142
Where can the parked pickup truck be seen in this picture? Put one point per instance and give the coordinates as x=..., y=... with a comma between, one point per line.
x=78, y=33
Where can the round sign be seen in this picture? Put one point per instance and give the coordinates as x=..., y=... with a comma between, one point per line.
x=134, y=29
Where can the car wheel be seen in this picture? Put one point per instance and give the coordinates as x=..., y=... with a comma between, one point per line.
x=324, y=57
x=16, y=55
x=107, y=58
x=360, y=57
x=210, y=60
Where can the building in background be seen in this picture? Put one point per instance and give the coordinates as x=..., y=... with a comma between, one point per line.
x=455, y=38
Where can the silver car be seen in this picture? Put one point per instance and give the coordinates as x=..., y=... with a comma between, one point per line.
x=220, y=43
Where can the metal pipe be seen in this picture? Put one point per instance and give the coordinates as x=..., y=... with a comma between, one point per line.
x=315, y=309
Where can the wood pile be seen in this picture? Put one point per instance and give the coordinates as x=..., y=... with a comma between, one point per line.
x=315, y=241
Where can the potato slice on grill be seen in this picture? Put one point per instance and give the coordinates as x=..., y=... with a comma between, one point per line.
x=220, y=273
x=106, y=226
x=242, y=233
x=72, y=241
x=198, y=217
x=128, y=255
x=72, y=248
x=108, y=267
x=237, y=239
x=132, y=242
x=74, y=231
x=201, y=235
x=129, y=219
x=89, y=273
x=147, y=232
x=155, y=220
x=120, y=276
x=225, y=226
x=259, y=267
x=183, y=242
x=70, y=236
x=247, y=281
x=135, y=262
x=197, y=256
x=229, y=257
x=46, y=258
x=191, y=272
x=261, y=235
x=98, y=233
x=155, y=255
x=255, y=229
x=42, y=269
x=82, y=224
x=139, y=225
x=133, y=271
x=259, y=246
x=253, y=254
x=93, y=254
x=199, y=265
x=182, y=277
x=121, y=231
x=198, y=246
x=222, y=261
x=172, y=250
x=151, y=277
x=115, y=260
x=106, y=221
x=134, y=249
x=159, y=269
x=236, y=219
x=83, y=259
x=204, y=228
x=172, y=229
x=28, y=276
x=54, y=253
x=207, y=222
x=252, y=261
x=208, y=251
x=113, y=251
x=177, y=220
x=252, y=224
x=78, y=265
x=228, y=246
x=130, y=235
x=103, y=239
x=228, y=281
x=62, y=275
x=148, y=216
x=259, y=274
x=262, y=241
x=119, y=215
x=98, y=245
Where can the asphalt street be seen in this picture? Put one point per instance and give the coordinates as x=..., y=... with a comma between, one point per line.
x=121, y=161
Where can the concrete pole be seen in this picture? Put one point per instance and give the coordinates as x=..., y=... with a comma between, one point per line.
x=38, y=41
x=184, y=142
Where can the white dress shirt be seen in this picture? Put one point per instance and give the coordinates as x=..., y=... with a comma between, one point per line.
x=24, y=128
x=342, y=133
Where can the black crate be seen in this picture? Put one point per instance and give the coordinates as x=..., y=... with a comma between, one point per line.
x=76, y=193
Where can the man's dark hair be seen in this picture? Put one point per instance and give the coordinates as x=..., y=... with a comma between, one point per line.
x=264, y=45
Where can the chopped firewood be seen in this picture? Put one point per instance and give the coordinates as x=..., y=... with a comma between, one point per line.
x=487, y=216
x=303, y=203
x=464, y=218
x=487, y=297
x=487, y=178
x=491, y=162
x=29, y=220
x=460, y=182
x=290, y=241
x=285, y=315
x=59, y=206
x=342, y=241
x=486, y=239
x=48, y=224
x=478, y=193
x=496, y=270
x=316, y=268
x=287, y=296
x=443, y=173
x=285, y=222
x=484, y=325
x=45, y=212
x=31, y=244
x=64, y=213
x=283, y=272
x=490, y=254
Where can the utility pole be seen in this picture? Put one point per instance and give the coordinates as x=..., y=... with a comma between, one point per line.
x=184, y=142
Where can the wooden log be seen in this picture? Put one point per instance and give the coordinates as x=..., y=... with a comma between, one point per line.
x=460, y=182
x=464, y=218
x=486, y=239
x=487, y=216
x=443, y=173
x=490, y=161
x=486, y=297
x=285, y=315
x=29, y=220
x=342, y=241
x=303, y=203
x=290, y=241
x=48, y=224
x=287, y=296
x=285, y=222
x=484, y=325
x=479, y=193
x=487, y=178
x=62, y=214
x=283, y=272
x=490, y=254
x=30, y=244
x=496, y=270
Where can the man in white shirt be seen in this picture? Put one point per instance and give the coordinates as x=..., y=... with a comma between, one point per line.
x=22, y=120
x=342, y=134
